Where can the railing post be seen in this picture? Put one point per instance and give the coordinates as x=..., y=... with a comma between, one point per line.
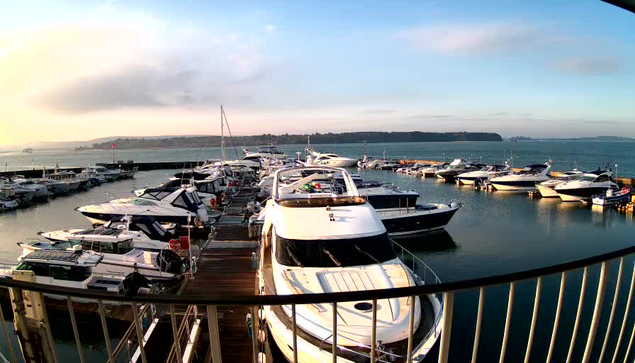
x=556, y=319
x=6, y=335
x=104, y=327
x=448, y=310
x=78, y=342
x=616, y=294
x=373, y=333
x=534, y=317
x=140, y=337
x=334, y=345
x=508, y=318
x=597, y=310
x=295, y=334
x=177, y=342
x=578, y=313
x=411, y=324
x=214, y=336
x=479, y=322
x=625, y=318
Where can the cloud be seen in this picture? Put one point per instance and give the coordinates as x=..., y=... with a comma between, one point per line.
x=479, y=38
x=378, y=112
x=591, y=65
x=270, y=28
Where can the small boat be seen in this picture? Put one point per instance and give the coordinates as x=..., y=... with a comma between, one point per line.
x=8, y=204
x=76, y=269
x=167, y=205
x=525, y=180
x=546, y=188
x=432, y=170
x=264, y=152
x=586, y=186
x=612, y=197
x=314, y=239
x=458, y=166
x=108, y=174
x=40, y=190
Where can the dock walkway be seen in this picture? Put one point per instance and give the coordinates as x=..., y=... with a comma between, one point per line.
x=225, y=269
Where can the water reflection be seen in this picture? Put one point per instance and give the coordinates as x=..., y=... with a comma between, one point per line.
x=440, y=241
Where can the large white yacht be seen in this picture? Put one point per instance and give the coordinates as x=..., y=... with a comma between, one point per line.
x=329, y=159
x=166, y=205
x=547, y=188
x=145, y=232
x=525, y=180
x=325, y=241
x=586, y=186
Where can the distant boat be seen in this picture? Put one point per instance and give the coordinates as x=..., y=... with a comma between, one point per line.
x=27, y=150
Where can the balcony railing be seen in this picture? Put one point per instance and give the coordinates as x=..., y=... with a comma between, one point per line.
x=609, y=335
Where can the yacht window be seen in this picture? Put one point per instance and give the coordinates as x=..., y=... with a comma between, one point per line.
x=145, y=229
x=124, y=247
x=194, y=198
x=159, y=228
x=91, y=246
x=70, y=273
x=334, y=253
x=142, y=202
x=602, y=178
x=37, y=268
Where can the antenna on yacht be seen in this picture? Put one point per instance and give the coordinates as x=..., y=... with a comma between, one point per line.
x=222, y=135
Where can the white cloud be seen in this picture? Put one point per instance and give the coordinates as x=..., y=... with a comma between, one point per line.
x=270, y=28
x=479, y=38
x=591, y=65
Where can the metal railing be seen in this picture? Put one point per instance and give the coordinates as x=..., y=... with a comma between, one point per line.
x=597, y=342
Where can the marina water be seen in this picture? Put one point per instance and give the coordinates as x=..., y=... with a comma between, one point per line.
x=493, y=233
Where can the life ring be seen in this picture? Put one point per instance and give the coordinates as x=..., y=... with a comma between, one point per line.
x=624, y=190
x=174, y=244
x=212, y=202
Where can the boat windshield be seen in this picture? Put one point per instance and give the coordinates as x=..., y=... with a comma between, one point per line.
x=334, y=253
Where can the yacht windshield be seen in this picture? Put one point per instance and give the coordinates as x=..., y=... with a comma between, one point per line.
x=334, y=253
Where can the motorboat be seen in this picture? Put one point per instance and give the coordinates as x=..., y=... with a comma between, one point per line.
x=432, y=170
x=525, y=180
x=146, y=233
x=10, y=190
x=75, y=269
x=66, y=177
x=119, y=257
x=7, y=204
x=456, y=167
x=484, y=174
x=586, y=186
x=329, y=159
x=209, y=190
x=314, y=239
x=167, y=205
x=264, y=152
x=129, y=173
x=55, y=187
x=40, y=191
x=612, y=197
x=109, y=175
x=546, y=188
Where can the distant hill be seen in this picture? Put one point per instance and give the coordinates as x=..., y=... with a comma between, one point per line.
x=593, y=138
x=317, y=138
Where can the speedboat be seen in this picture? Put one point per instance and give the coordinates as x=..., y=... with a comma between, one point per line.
x=75, y=269
x=264, y=152
x=119, y=257
x=458, y=166
x=167, y=205
x=327, y=241
x=40, y=190
x=432, y=170
x=484, y=174
x=145, y=232
x=586, y=186
x=67, y=177
x=546, y=188
x=208, y=190
x=329, y=159
x=525, y=180
x=108, y=174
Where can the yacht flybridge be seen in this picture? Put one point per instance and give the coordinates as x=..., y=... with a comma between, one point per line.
x=167, y=205
x=327, y=240
x=524, y=180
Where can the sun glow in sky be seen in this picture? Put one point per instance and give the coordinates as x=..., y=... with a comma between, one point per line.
x=82, y=70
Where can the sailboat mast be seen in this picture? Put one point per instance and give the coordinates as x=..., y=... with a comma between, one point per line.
x=222, y=135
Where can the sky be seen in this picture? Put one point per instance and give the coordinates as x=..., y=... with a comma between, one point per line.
x=78, y=70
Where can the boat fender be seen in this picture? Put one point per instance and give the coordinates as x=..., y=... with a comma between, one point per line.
x=174, y=244
x=184, y=242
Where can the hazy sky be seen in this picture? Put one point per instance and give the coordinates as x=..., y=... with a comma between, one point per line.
x=78, y=70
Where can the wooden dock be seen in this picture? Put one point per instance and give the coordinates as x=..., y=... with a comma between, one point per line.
x=225, y=268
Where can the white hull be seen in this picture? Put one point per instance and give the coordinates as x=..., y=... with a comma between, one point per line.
x=572, y=198
x=512, y=188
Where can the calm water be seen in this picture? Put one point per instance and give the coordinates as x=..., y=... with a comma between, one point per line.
x=587, y=155
x=493, y=233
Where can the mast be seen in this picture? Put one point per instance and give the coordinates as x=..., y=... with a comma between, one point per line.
x=222, y=135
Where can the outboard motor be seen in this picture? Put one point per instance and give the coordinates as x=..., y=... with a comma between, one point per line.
x=169, y=261
x=133, y=282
